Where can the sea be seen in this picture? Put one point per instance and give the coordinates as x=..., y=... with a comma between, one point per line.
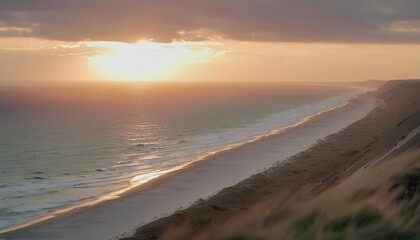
x=67, y=144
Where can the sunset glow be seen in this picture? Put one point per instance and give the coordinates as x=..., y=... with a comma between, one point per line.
x=145, y=60
x=116, y=113
x=206, y=41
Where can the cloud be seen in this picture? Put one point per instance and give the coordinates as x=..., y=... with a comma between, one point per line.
x=356, y=21
x=14, y=31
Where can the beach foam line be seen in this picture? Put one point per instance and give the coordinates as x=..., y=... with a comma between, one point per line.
x=145, y=178
x=371, y=103
x=169, y=156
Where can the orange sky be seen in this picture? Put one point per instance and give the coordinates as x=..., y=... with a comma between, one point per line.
x=229, y=40
x=32, y=60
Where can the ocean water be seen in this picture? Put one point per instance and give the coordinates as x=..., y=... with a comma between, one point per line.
x=66, y=145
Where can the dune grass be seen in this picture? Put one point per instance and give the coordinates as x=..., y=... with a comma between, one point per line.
x=372, y=206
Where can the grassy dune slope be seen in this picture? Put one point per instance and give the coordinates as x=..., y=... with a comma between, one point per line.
x=326, y=192
x=378, y=203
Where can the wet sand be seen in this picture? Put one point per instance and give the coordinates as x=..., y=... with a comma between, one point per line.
x=161, y=197
x=385, y=132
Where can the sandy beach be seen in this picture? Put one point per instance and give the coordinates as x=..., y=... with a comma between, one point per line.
x=209, y=120
x=290, y=166
x=384, y=133
x=160, y=197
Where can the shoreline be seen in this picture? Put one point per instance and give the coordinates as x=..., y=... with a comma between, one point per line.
x=351, y=95
x=132, y=190
x=304, y=176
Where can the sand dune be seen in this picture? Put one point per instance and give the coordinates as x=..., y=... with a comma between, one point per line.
x=350, y=142
x=200, y=180
x=239, y=211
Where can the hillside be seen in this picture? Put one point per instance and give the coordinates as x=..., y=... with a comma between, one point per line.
x=360, y=183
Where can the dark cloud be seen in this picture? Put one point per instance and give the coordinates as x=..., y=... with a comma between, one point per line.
x=256, y=20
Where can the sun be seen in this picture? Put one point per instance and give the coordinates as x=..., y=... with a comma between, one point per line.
x=145, y=60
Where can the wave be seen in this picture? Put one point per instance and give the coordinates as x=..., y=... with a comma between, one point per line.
x=139, y=168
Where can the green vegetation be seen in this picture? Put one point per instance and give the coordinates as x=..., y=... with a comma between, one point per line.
x=339, y=227
x=365, y=217
x=395, y=217
x=407, y=190
x=366, y=224
x=387, y=232
x=339, y=236
x=276, y=217
x=243, y=238
x=304, y=227
x=408, y=185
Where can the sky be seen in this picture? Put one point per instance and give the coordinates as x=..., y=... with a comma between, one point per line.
x=217, y=40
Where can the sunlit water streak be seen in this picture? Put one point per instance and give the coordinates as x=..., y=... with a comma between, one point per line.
x=54, y=155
